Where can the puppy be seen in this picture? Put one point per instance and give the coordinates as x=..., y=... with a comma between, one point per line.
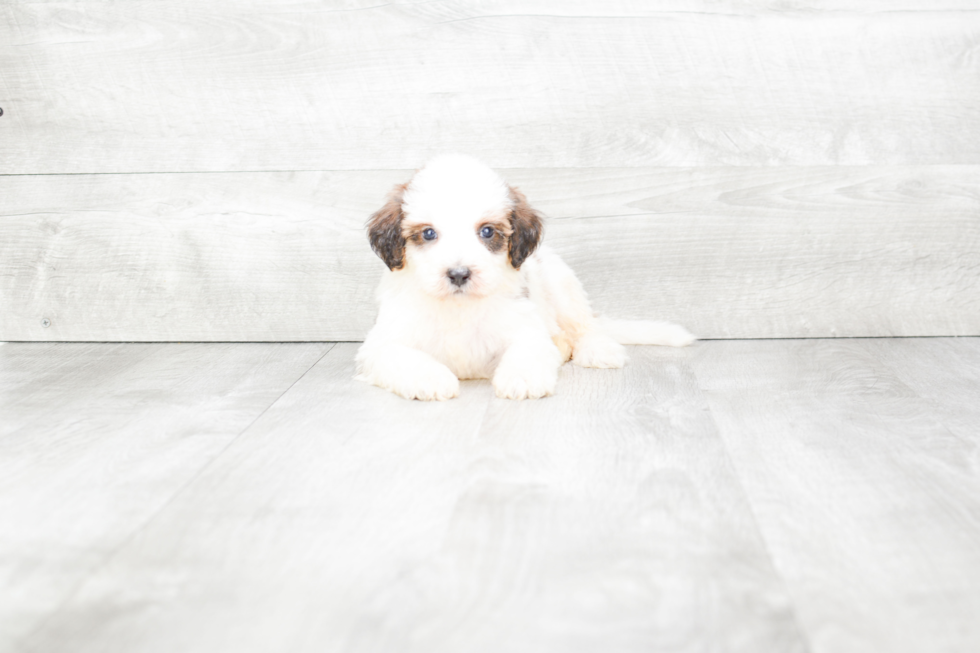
x=471, y=294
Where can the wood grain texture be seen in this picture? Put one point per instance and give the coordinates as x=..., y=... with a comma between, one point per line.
x=230, y=86
x=347, y=519
x=96, y=439
x=867, y=502
x=269, y=257
x=729, y=252
x=944, y=372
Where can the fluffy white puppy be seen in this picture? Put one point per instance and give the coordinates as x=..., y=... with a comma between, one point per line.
x=470, y=294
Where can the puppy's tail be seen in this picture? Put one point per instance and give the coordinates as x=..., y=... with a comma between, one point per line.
x=643, y=332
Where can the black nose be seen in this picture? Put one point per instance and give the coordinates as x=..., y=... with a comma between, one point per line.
x=458, y=276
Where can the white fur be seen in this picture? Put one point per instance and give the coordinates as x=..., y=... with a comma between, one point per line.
x=514, y=326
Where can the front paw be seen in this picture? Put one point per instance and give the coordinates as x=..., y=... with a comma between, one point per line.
x=530, y=382
x=434, y=383
x=427, y=382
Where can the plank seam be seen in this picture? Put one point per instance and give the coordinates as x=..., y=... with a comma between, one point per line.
x=409, y=170
x=805, y=636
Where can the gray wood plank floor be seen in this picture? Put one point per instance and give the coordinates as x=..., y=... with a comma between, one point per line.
x=793, y=495
x=96, y=439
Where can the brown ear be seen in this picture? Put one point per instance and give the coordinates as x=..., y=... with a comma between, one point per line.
x=385, y=230
x=527, y=227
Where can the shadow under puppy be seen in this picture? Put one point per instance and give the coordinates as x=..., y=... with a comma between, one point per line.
x=471, y=294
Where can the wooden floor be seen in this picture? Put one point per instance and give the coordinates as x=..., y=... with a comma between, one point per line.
x=780, y=495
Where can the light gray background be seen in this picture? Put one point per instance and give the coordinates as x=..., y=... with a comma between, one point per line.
x=202, y=171
x=181, y=170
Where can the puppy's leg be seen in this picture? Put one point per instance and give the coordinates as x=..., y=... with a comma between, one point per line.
x=595, y=342
x=528, y=369
x=598, y=350
x=561, y=295
x=408, y=372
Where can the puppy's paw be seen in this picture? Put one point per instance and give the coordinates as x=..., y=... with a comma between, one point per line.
x=426, y=382
x=597, y=350
x=525, y=381
x=431, y=383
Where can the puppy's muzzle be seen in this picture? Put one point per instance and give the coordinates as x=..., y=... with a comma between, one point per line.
x=458, y=276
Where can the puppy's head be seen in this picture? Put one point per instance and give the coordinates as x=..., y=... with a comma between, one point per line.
x=457, y=228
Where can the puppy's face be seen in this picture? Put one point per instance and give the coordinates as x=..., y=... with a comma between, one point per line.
x=457, y=228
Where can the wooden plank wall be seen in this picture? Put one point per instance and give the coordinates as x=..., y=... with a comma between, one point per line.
x=202, y=171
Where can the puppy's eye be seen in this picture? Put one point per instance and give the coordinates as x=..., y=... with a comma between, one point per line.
x=486, y=232
x=429, y=233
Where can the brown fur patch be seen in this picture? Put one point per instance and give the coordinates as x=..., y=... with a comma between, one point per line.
x=526, y=229
x=500, y=238
x=385, y=230
x=413, y=234
x=564, y=346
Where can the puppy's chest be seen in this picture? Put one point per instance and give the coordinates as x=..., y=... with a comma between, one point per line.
x=469, y=342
